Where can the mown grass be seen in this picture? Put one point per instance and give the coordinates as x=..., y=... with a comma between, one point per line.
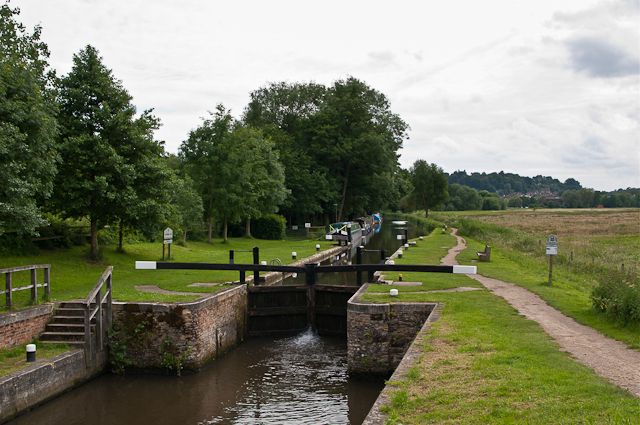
x=14, y=359
x=73, y=276
x=484, y=363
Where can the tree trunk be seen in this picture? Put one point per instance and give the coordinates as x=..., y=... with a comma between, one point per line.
x=344, y=191
x=184, y=237
x=247, y=232
x=426, y=212
x=120, y=236
x=210, y=220
x=94, y=239
x=225, y=230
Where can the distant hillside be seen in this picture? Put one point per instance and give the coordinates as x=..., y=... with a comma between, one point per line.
x=506, y=184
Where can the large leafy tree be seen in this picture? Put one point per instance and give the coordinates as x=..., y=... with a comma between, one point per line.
x=282, y=111
x=203, y=154
x=27, y=125
x=109, y=160
x=429, y=185
x=357, y=136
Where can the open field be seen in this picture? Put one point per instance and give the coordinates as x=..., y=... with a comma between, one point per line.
x=484, y=363
x=73, y=275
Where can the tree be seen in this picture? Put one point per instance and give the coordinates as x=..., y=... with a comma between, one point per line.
x=463, y=198
x=282, y=111
x=203, y=154
x=429, y=185
x=95, y=178
x=256, y=165
x=186, y=203
x=28, y=127
x=357, y=137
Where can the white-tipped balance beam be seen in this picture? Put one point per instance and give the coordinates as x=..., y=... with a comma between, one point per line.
x=465, y=269
x=147, y=265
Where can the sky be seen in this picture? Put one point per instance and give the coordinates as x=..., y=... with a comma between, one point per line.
x=537, y=87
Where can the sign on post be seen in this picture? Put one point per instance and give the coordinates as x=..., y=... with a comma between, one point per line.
x=551, y=250
x=307, y=225
x=167, y=239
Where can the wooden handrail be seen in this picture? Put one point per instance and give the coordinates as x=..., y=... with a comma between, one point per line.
x=98, y=285
x=101, y=311
x=25, y=268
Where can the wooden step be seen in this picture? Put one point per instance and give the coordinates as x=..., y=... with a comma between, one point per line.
x=71, y=343
x=65, y=327
x=62, y=336
x=70, y=319
x=69, y=311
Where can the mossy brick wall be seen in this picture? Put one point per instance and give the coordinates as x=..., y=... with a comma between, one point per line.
x=20, y=327
x=378, y=335
x=195, y=331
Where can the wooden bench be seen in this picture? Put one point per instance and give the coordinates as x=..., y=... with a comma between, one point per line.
x=484, y=256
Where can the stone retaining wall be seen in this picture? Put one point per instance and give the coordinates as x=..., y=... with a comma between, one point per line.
x=161, y=336
x=44, y=380
x=378, y=335
x=375, y=416
x=20, y=327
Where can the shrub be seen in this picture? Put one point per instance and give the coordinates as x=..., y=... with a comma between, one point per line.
x=270, y=226
x=618, y=295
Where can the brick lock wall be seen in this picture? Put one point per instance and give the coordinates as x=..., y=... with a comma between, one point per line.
x=378, y=335
x=21, y=327
x=196, y=332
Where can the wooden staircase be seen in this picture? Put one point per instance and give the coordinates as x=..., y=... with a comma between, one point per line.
x=67, y=325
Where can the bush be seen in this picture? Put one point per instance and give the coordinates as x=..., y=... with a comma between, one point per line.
x=270, y=226
x=618, y=295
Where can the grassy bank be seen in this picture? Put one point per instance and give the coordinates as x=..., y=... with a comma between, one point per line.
x=13, y=359
x=484, y=363
x=593, y=246
x=73, y=275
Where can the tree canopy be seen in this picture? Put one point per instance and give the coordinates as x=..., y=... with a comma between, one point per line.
x=429, y=185
x=28, y=125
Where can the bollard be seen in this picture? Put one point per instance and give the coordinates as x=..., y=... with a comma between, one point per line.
x=31, y=353
x=263, y=263
x=400, y=253
x=294, y=255
x=317, y=247
x=393, y=292
x=400, y=277
x=406, y=246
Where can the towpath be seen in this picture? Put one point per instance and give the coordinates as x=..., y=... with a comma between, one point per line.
x=609, y=358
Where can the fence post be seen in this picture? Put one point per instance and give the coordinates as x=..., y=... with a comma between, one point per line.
x=87, y=334
x=109, y=301
x=359, y=261
x=34, y=286
x=47, y=283
x=9, y=288
x=99, y=329
x=256, y=261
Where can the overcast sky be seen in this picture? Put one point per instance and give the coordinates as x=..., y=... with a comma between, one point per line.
x=535, y=87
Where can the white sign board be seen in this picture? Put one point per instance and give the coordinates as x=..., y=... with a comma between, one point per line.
x=552, y=245
x=307, y=225
x=400, y=237
x=294, y=227
x=168, y=235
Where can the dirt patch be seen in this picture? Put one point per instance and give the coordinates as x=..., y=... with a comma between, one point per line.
x=609, y=358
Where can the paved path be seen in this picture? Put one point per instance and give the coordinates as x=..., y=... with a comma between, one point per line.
x=609, y=358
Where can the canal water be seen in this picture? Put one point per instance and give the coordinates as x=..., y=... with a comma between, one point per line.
x=300, y=379
x=295, y=380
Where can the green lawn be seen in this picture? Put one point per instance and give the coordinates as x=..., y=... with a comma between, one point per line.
x=73, y=275
x=484, y=363
x=13, y=359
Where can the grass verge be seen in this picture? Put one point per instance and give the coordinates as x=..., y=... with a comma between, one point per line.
x=14, y=359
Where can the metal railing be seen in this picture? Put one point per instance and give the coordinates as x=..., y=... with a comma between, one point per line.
x=98, y=306
x=9, y=289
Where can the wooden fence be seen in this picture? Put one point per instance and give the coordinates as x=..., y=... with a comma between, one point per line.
x=9, y=289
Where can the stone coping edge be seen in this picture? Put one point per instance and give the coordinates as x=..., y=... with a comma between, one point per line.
x=26, y=314
x=209, y=300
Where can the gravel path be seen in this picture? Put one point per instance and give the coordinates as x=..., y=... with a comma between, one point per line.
x=609, y=358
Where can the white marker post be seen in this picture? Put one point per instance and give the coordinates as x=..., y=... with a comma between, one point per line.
x=167, y=239
x=551, y=250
